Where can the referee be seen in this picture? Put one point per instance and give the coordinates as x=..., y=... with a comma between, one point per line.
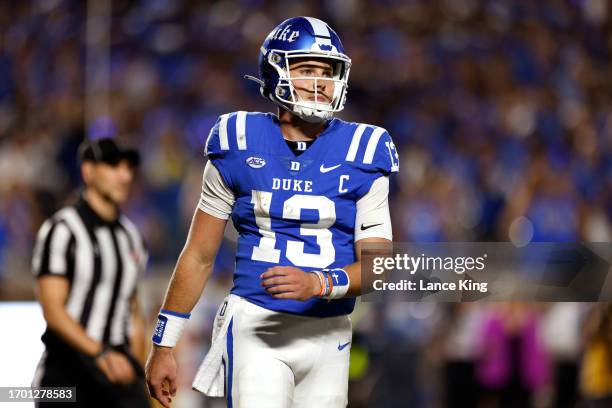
x=87, y=260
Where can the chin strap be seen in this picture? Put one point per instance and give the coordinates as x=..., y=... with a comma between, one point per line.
x=254, y=79
x=307, y=113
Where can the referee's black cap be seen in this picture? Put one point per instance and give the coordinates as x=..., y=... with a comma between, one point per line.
x=107, y=150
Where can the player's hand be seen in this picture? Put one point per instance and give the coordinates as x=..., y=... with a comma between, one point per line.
x=287, y=282
x=116, y=367
x=161, y=375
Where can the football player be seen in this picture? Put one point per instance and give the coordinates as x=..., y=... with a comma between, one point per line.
x=305, y=191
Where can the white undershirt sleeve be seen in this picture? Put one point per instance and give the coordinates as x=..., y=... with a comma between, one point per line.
x=373, y=218
x=216, y=199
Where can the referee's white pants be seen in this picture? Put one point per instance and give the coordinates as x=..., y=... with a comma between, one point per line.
x=280, y=360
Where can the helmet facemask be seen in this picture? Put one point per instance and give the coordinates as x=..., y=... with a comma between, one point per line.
x=286, y=94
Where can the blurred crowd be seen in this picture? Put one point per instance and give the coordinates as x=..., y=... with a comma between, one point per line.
x=498, y=355
x=501, y=111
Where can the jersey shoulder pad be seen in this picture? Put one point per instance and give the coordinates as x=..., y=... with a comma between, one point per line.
x=233, y=132
x=372, y=147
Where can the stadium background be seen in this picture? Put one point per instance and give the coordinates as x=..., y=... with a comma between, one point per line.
x=501, y=111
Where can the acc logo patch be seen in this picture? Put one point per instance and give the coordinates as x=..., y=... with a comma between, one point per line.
x=255, y=162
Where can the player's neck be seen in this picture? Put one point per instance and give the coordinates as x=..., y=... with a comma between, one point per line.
x=104, y=207
x=295, y=129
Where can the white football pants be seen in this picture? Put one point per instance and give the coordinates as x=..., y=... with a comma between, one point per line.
x=281, y=360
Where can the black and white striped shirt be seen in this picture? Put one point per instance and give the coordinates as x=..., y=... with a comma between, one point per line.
x=102, y=261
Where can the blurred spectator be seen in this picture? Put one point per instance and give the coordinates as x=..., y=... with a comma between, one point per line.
x=562, y=335
x=596, y=373
x=512, y=364
x=461, y=352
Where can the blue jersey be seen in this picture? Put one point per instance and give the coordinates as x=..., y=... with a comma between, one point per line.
x=296, y=210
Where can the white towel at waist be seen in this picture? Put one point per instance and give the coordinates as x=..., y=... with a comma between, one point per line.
x=210, y=377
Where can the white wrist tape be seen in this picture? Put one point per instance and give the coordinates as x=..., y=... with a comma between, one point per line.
x=169, y=327
x=337, y=283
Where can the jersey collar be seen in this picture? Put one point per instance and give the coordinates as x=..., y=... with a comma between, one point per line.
x=90, y=216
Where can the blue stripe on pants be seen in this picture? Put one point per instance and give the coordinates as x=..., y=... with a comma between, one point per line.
x=230, y=363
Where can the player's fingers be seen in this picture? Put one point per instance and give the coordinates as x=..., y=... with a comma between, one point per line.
x=274, y=271
x=172, y=386
x=277, y=280
x=167, y=397
x=155, y=389
x=268, y=281
x=164, y=399
x=281, y=289
x=151, y=389
x=157, y=392
x=296, y=292
x=287, y=295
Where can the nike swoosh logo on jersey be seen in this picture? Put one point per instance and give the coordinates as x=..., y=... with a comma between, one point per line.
x=326, y=169
x=343, y=346
x=365, y=227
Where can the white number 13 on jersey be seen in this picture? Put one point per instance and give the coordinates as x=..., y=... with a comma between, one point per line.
x=266, y=250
